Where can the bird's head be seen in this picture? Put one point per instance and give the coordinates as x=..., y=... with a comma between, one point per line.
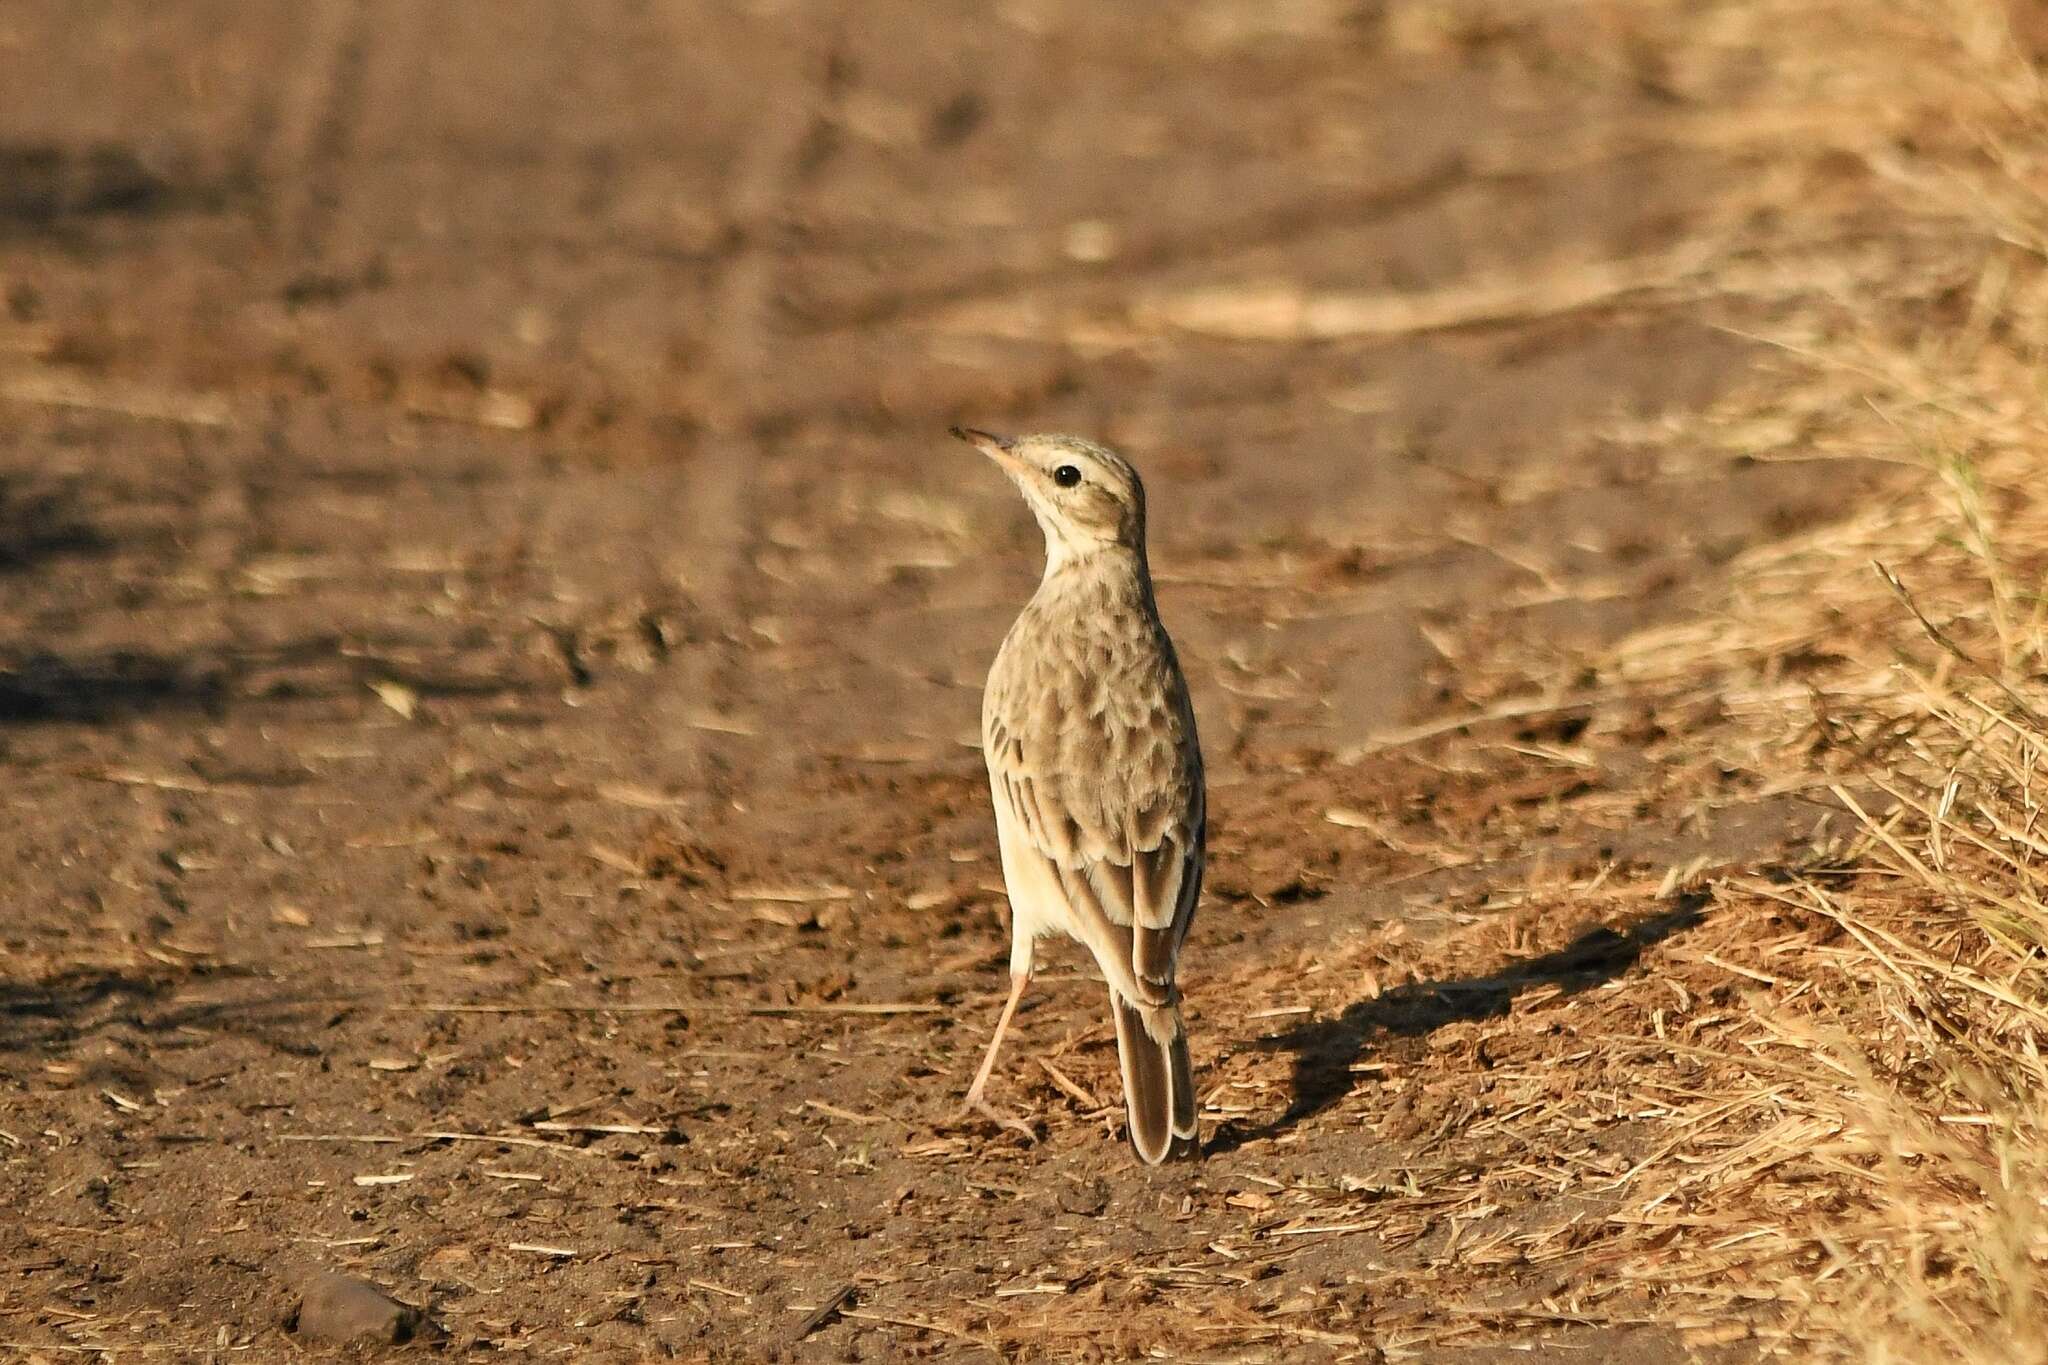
x=1087, y=498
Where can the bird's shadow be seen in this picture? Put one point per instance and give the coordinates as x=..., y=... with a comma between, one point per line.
x=1325, y=1049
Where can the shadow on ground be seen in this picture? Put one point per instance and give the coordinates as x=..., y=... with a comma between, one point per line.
x=49, y=187
x=45, y=681
x=60, y=1010
x=49, y=688
x=39, y=524
x=1326, y=1048
x=46, y=687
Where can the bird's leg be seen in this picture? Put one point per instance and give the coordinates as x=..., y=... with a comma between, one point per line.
x=988, y=1062
x=974, y=1101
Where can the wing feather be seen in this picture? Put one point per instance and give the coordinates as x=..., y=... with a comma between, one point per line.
x=1132, y=907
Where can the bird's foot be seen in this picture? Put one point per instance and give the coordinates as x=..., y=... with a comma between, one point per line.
x=975, y=1107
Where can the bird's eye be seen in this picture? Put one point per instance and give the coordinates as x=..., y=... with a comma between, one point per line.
x=1066, y=476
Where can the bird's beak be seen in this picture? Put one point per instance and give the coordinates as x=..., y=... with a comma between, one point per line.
x=997, y=448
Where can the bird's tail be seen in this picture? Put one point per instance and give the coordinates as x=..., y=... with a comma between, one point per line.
x=1159, y=1084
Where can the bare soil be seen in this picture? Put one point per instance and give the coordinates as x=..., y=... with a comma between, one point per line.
x=491, y=632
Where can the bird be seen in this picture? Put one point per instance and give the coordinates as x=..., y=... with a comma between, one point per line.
x=1095, y=773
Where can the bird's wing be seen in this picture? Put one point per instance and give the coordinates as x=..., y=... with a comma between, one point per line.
x=1129, y=892
x=1152, y=898
x=1167, y=846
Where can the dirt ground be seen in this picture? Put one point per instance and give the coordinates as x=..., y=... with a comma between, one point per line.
x=491, y=632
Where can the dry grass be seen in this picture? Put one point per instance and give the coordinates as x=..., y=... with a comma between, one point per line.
x=1865, y=1141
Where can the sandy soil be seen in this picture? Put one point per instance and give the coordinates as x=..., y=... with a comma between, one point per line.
x=491, y=632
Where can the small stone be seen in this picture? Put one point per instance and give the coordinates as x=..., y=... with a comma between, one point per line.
x=1090, y=241
x=345, y=1311
x=1088, y=1200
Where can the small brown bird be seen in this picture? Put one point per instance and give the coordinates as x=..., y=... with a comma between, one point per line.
x=1095, y=772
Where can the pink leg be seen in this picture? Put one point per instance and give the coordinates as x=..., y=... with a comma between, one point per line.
x=1018, y=981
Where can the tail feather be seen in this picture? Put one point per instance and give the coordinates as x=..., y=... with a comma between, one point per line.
x=1159, y=1084
x=1183, y=1075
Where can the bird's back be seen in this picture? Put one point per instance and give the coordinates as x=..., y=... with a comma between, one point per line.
x=1086, y=699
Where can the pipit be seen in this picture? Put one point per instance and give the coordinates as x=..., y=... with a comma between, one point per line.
x=1095, y=772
